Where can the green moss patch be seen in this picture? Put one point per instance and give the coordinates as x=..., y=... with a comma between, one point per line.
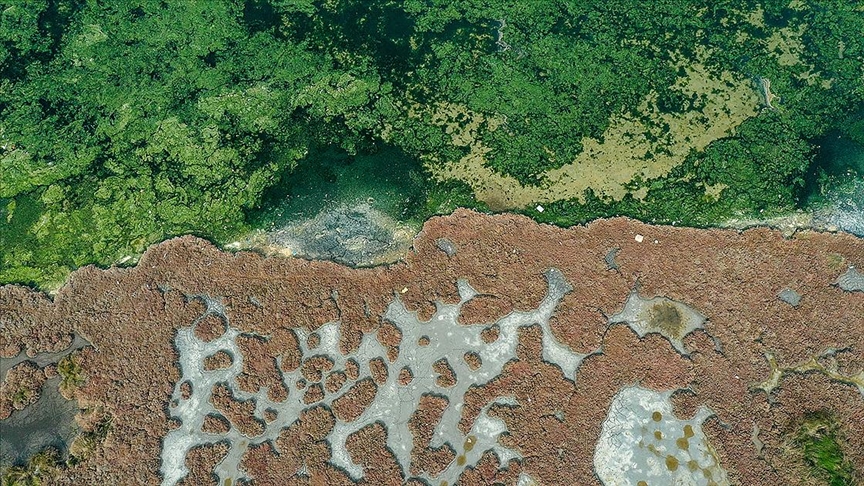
x=819, y=439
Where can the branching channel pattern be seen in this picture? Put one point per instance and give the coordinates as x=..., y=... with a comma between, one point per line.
x=439, y=357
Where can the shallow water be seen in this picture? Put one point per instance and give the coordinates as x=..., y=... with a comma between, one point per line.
x=356, y=235
x=387, y=179
x=834, y=189
x=838, y=155
x=357, y=210
x=48, y=422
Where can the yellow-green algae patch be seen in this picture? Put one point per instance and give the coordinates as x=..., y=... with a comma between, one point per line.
x=824, y=363
x=644, y=146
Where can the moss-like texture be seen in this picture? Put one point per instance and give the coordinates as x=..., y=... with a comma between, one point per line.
x=89, y=440
x=42, y=468
x=126, y=123
x=71, y=375
x=820, y=439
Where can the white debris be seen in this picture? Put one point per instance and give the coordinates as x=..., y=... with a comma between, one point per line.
x=639, y=238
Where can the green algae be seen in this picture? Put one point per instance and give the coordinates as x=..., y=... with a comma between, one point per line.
x=819, y=438
x=71, y=374
x=40, y=469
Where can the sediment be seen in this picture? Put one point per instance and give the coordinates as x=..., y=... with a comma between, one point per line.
x=132, y=317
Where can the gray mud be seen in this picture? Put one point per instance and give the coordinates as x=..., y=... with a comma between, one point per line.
x=48, y=422
x=642, y=442
x=355, y=235
x=395, y=401
x=42, y=359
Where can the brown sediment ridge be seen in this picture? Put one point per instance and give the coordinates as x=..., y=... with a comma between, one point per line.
x=131, y=317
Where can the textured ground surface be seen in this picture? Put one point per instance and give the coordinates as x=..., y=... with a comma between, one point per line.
x=321, y=369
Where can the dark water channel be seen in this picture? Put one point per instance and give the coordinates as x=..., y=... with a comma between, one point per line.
x=49, y=422
x=834, y=189
x=42, y=359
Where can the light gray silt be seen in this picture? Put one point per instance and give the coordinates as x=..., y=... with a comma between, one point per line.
x=669, y=318
x=394, y=403
x=642, y=442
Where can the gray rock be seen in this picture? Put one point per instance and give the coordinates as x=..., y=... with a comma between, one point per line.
x=446, y=246
x=851, y=281
x=611, y=264
x=790, y=297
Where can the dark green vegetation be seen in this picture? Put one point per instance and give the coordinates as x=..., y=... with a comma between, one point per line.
x=818, y=437
x=124, y=122
x=44, y=466
x=41, y=468
x=387, y=178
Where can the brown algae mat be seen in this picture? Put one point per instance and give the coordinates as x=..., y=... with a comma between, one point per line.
x=499, y=351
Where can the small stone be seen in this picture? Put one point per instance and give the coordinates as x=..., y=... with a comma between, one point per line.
x=639, y=238
x=611, y=264
x=851, y=281
x=790, y=297
x=446, y=246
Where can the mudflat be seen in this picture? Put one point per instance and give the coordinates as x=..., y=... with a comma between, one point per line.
x=616, y=352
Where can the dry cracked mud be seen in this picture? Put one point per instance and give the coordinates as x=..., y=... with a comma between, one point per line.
x=498, y=351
